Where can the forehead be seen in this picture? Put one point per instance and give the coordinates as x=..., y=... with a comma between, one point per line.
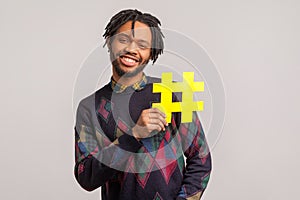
x=141, y=30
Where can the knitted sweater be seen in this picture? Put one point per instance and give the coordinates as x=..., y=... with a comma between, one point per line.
x=108, y=156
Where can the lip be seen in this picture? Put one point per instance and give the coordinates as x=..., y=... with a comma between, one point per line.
x=129, y=61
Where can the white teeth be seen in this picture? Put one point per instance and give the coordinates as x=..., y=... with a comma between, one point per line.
x=129, y=60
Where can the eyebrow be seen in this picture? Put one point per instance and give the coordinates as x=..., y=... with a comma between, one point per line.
x=122, y=34
x=139, y=40
x=144, y=41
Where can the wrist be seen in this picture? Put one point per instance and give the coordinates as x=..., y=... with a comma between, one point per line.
x=135, y=133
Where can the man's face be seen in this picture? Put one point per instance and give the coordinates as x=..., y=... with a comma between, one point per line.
x=130, y=54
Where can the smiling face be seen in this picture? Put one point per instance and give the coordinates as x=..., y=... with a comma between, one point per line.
x=130, y=50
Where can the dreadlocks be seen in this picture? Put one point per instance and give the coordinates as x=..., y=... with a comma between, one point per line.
x=124, y=16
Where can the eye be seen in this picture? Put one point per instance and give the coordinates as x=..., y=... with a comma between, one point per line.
x=143, y=45
x=123, y=40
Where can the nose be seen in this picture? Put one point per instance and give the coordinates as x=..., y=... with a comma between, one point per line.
x=132, y=47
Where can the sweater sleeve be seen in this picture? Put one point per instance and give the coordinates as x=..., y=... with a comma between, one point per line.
x=96, y=157
x=198, y=160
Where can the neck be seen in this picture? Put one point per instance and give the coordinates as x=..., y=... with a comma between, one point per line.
x=127, y=80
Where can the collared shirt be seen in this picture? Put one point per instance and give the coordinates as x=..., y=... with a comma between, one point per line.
x=119, y=88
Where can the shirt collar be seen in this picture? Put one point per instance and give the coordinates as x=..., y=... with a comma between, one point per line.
x=119, y=88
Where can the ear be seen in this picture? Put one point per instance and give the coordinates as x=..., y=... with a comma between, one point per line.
x=108, y=43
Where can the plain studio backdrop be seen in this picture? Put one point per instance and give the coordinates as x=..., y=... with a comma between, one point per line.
x=254, y=44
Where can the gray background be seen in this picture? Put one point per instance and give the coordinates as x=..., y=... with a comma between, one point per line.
x=255, y=45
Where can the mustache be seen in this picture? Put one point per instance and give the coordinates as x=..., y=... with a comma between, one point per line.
x=123, y=53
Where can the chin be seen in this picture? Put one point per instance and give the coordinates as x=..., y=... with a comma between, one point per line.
x=128, y=72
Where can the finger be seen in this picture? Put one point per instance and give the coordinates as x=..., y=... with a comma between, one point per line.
x=157, y=116
x=157, y=122
x=156, y=110
x=154, y=127
x=149, y=131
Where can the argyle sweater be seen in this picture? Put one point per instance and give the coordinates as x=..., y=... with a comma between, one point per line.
x=108, y=156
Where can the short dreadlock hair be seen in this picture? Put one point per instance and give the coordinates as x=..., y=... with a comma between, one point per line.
x=124, y=16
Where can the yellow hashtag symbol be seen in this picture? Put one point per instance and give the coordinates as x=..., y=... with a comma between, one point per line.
x=187, y=87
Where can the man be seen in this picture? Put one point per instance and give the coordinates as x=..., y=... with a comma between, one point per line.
x=122, y=144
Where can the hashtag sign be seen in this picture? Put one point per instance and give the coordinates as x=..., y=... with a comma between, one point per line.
x=187, y=87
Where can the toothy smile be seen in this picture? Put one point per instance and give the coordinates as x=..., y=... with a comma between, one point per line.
x=129, y=60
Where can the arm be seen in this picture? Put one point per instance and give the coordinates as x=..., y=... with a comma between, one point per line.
x=89, y=172
x=92, y=146
x=198, y=160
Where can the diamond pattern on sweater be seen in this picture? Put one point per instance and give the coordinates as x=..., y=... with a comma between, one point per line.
x=104, y=109
x=121, y=128
x=157, y=197
x=144, y=163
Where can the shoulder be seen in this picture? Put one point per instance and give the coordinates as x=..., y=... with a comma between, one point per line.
x=153, y=79
x=87, y=104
